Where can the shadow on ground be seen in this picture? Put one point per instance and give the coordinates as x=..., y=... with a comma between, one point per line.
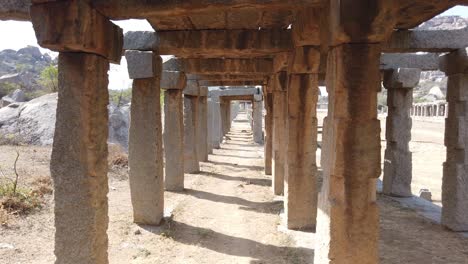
x=255, y=181
x=230, y=245
x=271, y=207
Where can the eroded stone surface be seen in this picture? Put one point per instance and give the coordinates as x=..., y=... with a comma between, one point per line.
x=91, y=31
x=146, y=174
x=174, y=139
x=79, y=160
x=348, y=219
x=455, y=173
x=398, y=159
x=300, y=188
x=191, y=159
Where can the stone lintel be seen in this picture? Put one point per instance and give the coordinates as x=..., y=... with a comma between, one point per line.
x=173, y=80
x=141, y=64
x=234, y=91
x=455, y=62
x=225, y=77
x=211, y=43
x=192, y=88
x=426, y=41
x=425, y=62
x=232, y=83
x=141, y=40
x=261, y=66
x=402, y=78
x=304, y=59
x=126, y=9
x=238, y=97
x=74, y=26
x=15, y=10
x=224, y=43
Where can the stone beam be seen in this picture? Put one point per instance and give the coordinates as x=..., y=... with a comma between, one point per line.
x=225, y=77
x=426, y=41
x=220, y=66
x=231, y=83
x=412, y=13
x=125, y=9
x=234, y=91
x=173, y=80
x=238, y=97
x=211, y=43
x=15, y=9
x=425, y=62
x=92, y=32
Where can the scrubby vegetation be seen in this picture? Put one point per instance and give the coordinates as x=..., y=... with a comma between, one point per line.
x=16, y=199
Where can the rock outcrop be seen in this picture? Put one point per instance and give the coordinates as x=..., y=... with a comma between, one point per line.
x=23, y=68
x=33, y=122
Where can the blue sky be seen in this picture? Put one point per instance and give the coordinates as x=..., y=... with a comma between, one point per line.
x=16, y=35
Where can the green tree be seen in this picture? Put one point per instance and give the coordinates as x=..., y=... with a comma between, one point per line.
x=49, y=78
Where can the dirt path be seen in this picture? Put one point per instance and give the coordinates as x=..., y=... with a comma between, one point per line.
x=227, y=214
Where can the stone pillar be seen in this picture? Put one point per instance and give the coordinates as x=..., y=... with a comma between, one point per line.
x=257, y=115
x=300, y=189
x=209, y=120
x=217, y=136
x=348, y=219
x=191, y=159
x=79, y=159
x=398, y=159
x=174, y=139
x=202, y=126
x=301, y=169
x=279, y=132
x=145, y=155
x=455, y=173
x=268, y=133
x=79, y=154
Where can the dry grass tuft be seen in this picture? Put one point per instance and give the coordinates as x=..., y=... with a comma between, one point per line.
x=117, y=157
x=42, y=186
x=20, y=201
x=4, y=217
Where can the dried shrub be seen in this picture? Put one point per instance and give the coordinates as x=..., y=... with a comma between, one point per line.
x=20, y=201
x=4, y=217
x=117, y=157
x=42, y=186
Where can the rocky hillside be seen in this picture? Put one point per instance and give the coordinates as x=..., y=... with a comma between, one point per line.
x=21, y=70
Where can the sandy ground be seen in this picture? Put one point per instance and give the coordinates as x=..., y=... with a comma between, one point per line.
x=227, y=214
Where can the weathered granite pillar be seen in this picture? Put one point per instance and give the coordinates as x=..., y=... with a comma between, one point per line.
x=209, y=120
x=79, y=154
x=455, y=173
x=348, y=215
x=398, y=159
x=145, y=156
x=216, y=129
x=300, y=189
x=174, y=139
x=202, y=125
x=268, y=133
x=347, y=220
x=191, y=164
x=257, y=114
x=279, y=132
x=79, y=159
